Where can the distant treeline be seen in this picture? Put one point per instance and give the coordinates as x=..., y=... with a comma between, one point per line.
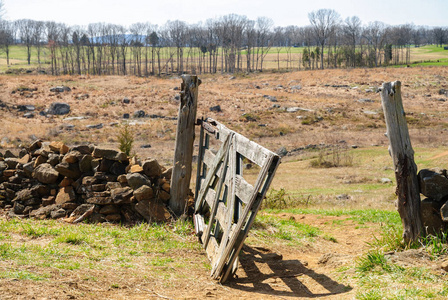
x=232, y=43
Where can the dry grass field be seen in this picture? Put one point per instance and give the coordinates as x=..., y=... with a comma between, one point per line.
x=313, y=247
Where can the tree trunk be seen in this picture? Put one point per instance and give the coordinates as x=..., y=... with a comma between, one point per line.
x=403, y=158
x=183, y=155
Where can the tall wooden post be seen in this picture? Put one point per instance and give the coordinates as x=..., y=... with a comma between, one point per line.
x=183, y=153
x=403, y=158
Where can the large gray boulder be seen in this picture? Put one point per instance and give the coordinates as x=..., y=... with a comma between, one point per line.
x=58, y=108
x=433, y=183
x=431, y=218
x=152, y=168
x=45, y=173
x=110, y=154
x=121, y=195
x=60, y=89
x=136, y=180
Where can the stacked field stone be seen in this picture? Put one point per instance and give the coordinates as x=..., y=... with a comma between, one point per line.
x=51, y=180
x=434, y=185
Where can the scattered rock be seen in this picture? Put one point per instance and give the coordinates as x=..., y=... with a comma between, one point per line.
x=60, y=89
x=139, y=114
x=296, y=109
x=216, y=108
x=95, y=126
x=57, y=108
x=126, y=100
x=270, y=98
x=343, y=197
x=386, y=180
x=75, y=118
x=282, y=151
x=366, y=100
x=369, y=112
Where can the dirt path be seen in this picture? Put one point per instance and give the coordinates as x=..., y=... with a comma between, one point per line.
x=308, y=271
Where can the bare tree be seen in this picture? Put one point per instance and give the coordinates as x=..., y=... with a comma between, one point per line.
x=440, y=35
x=137, y=31
x=25, y=27
x=279, y=40
x=375, y=34
x=177, y=32
x=352, y=32
x=250, y=41
x=38, y=29
x=291, y=40
x=52, y=30
x=7, y=32
x=323, y=22
x=77, y=44
x=153, y=40
x=264, y=44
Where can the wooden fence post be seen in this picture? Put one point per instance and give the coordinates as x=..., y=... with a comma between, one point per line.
x=183, y=153
x=403, y=158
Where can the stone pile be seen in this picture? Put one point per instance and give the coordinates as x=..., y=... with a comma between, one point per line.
x=51, y=180
x=433, y=185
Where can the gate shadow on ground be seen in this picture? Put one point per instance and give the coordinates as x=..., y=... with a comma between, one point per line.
x=267, y=273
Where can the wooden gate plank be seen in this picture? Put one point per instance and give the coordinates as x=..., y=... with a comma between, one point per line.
x=210, y=174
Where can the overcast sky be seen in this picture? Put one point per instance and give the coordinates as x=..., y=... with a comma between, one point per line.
x=282, y=12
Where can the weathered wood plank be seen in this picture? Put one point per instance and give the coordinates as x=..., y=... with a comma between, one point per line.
x=403, y=158
x=239, y=234
x=246, y=147
x=230, y=205
x=221, y=214
x=183, y=155
x=222, y=176
x=211, y=249
x=199, y=225
x=199, y=170
x=243, y=189
x=209, y=157
x=210, y=174
x=216, y=271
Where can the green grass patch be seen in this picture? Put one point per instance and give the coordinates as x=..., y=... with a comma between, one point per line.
x=359, y=215
x=50, y=244
x=23, y=275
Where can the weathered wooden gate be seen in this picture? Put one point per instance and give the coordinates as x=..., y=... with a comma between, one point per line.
x=226, y=203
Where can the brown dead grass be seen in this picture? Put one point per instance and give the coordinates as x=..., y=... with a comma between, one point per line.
x=262, y=274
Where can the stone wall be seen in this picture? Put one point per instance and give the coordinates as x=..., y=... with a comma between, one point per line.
x=433, y=185
x=51, y=180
